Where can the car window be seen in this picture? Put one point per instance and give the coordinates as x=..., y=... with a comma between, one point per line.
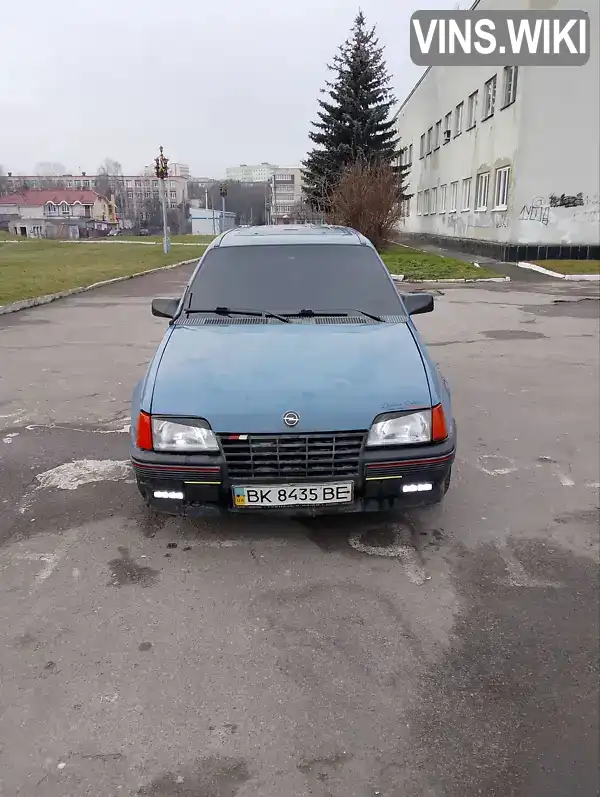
x=292, y=277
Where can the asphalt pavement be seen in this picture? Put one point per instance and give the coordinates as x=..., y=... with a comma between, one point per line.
x=451, y=652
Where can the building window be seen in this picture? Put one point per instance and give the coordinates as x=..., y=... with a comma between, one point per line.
x=425, y=202
x=453, y=196
x=447, y=127
x=432, y=206
x=458, y=119
x=138, y=183
x=422, y=148
x=69, y=184
x=501, y=188
x=472, y=110
x=147, y=194
x=466, y=194
x=64, y=208
x=481, y=191
x=173, y=194
x=442, y=207
x=130, y=195
x=429, y=140
x=410, y=155
x=437, y=135
x=489, y=98
x=51, y=208
x=510, y=85
x=85, y=183
x=419, y=202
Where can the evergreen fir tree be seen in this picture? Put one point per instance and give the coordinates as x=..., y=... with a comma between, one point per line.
x=355, y=124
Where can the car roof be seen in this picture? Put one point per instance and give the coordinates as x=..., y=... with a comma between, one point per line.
x=291, y=234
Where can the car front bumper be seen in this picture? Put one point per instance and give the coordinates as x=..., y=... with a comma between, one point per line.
x=379, y=485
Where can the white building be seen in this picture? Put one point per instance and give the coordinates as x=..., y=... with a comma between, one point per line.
x=206, y=221
x=286, y=194
x=504, y=161
x=175, y=170
x=258, y=173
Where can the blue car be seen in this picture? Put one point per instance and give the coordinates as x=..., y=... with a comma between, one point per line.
x=291, y=379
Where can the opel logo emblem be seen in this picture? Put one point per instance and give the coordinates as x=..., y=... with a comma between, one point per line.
x=291, y=419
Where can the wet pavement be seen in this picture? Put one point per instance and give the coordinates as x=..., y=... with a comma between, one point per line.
x=448, y=653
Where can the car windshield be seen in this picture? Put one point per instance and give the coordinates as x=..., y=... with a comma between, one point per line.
x=290, y=277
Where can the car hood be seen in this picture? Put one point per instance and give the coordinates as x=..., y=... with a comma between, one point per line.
x=244, y=378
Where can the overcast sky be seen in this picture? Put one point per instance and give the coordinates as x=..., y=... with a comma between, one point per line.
x=217, y=84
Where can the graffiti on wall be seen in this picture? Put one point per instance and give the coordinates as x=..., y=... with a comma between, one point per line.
x=560, y=208
x=565, y=201
x=538, y=211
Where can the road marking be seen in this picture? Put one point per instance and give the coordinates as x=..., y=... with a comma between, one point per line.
x=399, y=550
x=565, y=480
x=485, y=462
x=518, y=576
x=122, y=430
x=50, y=560
x=72, y=475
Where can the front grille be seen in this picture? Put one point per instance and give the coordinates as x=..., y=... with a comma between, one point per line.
x=293, y=456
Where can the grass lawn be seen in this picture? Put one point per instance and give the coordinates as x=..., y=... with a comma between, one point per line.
x=35, y=268
x=418, y=265
x=175, y=239
x=571, y=266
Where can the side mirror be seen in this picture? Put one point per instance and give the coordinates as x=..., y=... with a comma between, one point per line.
x=164, y=308
x=417, y=303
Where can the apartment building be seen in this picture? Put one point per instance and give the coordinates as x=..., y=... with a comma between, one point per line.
x=130, y=191
x=504, y=161
x=258, y=173
x=286, y=194
x=175, y=170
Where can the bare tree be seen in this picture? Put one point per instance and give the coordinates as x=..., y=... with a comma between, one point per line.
x=109, y=182
x=49, y=169
x=4, y=186
x=369, y=199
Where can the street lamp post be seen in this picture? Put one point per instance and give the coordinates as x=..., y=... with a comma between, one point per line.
x=162, y=172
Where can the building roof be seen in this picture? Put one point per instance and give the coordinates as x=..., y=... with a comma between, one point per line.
x=34, y=197
x=290, y=234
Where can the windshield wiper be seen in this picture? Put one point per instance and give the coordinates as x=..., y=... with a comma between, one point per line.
x=238, y=311
x=308, y=313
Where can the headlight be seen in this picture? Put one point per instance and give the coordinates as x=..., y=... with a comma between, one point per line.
x=174, y=436
x=401, y=430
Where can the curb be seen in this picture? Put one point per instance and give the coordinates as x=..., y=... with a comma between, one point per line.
x=26, y=304
x=401, y=278
x=557, y=274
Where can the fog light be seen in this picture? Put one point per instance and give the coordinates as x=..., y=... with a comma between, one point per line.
x=416, y=488
x=167, y=494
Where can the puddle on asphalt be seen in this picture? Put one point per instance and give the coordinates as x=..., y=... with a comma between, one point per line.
x=217, y=775
x=126, y=571
x=588, y=307
x=512, y=334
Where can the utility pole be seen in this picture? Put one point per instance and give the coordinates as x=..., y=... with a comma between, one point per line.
x=223, y=193
x=162, y=172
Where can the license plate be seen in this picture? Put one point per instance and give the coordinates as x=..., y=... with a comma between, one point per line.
x=293, y=495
